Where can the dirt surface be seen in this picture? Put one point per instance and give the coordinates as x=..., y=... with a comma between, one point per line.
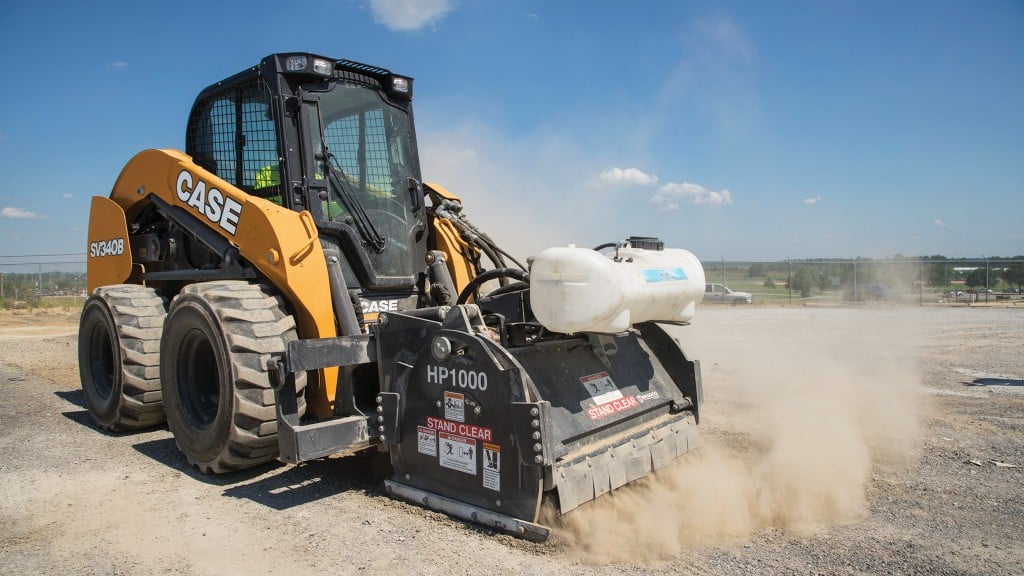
x=834, y=441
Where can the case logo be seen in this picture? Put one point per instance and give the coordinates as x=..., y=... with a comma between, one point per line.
x=370, y=306
x=212, y=204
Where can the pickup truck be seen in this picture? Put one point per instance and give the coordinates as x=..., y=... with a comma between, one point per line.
x=721, y=294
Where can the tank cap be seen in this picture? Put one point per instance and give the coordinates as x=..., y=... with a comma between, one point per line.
x=646, y=243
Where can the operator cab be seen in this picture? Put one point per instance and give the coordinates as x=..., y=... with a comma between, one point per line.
x=336, y=138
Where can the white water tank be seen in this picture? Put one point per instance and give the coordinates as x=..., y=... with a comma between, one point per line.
x=579, y=290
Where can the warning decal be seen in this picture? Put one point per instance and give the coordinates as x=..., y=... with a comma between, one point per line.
x=455, y=406
x=492, y=466
x=460, y=429
x=616, y=406
x=458, y=453
x=601, y=388
x=426, y=441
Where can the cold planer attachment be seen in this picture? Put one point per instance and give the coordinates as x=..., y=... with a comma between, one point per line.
x=483, y=430
x=483, y=410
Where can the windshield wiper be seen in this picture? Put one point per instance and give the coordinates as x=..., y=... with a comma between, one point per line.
x=337, y=177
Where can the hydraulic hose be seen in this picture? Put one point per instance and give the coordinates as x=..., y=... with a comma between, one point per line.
x=489, y=275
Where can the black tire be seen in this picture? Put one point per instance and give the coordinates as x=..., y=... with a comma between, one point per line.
x=119, y=356
x=216, y=343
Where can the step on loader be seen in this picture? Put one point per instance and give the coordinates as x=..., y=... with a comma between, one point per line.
x=289, y=288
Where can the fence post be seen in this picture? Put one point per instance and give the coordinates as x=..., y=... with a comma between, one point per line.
x=789, y=280
x=986, y=279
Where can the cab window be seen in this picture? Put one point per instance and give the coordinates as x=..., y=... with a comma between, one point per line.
x=234, y=136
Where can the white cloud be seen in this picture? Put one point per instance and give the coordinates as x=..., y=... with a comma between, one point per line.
x=119, y=65
x=19, y=214
x=68, y=195
x=671, y=194
x=409, y=14
x=628, y=176
x=721, y=35
x=812, y=200
x=526, y=193
x=939, y=223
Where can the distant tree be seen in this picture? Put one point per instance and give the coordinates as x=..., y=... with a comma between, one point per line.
x=939, y=274
x=862, y=271
x=768, y=282
x=975, y=278
x=1014, y=274
x=822, y=282
x=803, y=281
x=756, y=270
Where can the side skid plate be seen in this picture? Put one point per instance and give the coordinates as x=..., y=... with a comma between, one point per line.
x=507, y=524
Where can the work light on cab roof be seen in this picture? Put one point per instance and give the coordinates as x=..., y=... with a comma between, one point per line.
x=303, y=63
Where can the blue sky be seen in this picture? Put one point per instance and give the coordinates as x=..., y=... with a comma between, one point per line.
x=743, y=130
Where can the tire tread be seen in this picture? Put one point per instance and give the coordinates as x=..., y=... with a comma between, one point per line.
x=138, y=313
x=255, y=326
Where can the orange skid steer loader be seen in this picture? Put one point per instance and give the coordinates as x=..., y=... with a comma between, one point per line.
x=288, y=288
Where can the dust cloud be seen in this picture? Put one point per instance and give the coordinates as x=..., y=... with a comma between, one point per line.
x=799, y=405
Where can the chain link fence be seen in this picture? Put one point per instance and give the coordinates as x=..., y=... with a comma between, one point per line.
x=865, y=281
x=42, y=280
x=34, y=280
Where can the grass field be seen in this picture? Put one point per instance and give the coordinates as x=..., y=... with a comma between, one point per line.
x=781, y=296
x=46, y=303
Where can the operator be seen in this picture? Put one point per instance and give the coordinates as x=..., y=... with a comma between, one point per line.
x=269, y=175
x=268, y=181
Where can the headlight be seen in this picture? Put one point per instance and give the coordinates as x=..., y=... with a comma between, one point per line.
x=321, y=66
x=400, y=85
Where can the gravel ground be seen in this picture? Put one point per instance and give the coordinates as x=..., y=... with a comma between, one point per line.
x=834, y=441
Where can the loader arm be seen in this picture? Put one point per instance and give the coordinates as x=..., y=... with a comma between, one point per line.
x=463, y=257
x=281, y=244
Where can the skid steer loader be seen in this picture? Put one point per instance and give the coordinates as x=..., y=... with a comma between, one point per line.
x=289, y=288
